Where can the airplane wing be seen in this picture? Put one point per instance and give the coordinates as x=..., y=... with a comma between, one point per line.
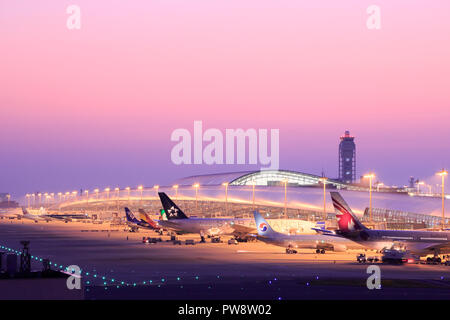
x=443, y=248
x=243, y=230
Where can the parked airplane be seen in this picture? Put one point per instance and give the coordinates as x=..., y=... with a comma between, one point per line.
x=135, y=223
x=420, y=243
x=68, y=217
x=146, y=219
x=36, y=218
x=15, y=213
x=319, y=242
x=177, y=221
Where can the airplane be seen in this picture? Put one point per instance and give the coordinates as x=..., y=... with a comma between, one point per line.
x=42, y=215
x=135, y=224
x=420, y=243
x=319, y=242
x=68, y=217
x=34, y=217
x=9, y=214
x=178, y=221
x=146, y=218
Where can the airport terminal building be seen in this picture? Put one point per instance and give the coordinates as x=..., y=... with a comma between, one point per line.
x=304, y=192
x=275, y=193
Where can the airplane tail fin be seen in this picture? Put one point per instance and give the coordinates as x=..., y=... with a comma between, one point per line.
x=130, y=216
x=145, y=217
x=163, y=215
x=24, y=211
x=171, y=209
x=264, y=229
x=347, y=220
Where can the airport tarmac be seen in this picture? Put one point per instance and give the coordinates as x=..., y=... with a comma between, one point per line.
x=212, y=270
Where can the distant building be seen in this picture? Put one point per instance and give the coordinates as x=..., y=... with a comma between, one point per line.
x=6, y=202
x=347, y=158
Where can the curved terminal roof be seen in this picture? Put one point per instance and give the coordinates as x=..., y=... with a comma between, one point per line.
x=215, y=179
x=259, y=178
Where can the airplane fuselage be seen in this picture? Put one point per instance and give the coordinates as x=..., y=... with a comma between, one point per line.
x=418, y=242
x=208, y=226
x=310, y=241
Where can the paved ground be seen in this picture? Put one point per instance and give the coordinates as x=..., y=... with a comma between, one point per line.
x=212, y=271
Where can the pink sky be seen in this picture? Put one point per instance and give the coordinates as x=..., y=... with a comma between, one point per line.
x=96, y=106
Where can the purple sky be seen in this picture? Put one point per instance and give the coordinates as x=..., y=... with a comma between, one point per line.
x=95, y=107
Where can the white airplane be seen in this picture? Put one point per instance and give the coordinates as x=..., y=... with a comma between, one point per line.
x=34, y=217
x=319, y=242
x=10, y=214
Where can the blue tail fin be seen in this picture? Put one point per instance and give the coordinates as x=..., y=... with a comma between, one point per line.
x=130, y=216
x=264, y=229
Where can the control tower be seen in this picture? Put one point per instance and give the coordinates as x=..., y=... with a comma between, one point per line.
x=347, y=158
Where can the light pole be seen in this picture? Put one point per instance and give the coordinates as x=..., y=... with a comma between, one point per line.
x=28, y=200
x=196, y=186
x=285, y=197
x=8, y=196
x=418, y=185
x=324, y=182
x=128, y=190
x=117, y=191
x=370, y=176
x=253, y=194
x=96, y=193
x=141, y=188
x=39, y=196
x=156, y=187
x=87, y=196
x=176, y=190
x=225, y=184
x=443, y=174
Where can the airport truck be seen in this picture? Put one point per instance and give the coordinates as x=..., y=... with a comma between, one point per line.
x=392, y=256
